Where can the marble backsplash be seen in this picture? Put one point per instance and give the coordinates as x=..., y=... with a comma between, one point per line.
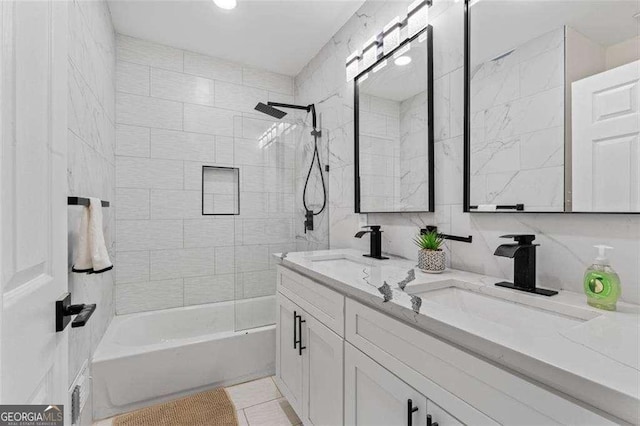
x=565, y=240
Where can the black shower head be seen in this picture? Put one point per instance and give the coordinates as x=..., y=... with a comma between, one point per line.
x=269, y=110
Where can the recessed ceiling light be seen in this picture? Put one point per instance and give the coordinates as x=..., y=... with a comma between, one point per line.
x=403, y=60
x=225, y=4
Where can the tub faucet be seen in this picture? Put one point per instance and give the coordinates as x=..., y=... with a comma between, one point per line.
x=524, y=269
x=376, y=241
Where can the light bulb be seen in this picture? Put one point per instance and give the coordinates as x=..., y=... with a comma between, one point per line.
x=225, y=4
x=403, y=60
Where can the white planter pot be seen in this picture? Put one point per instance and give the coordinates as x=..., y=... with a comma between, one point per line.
x=431, y=261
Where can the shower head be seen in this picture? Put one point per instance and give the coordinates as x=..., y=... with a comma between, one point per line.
x=269, y=110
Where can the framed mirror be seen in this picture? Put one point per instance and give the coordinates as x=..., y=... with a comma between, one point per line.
x=394, y=136
x=552, y=103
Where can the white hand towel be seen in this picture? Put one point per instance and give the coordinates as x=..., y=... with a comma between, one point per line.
x=92, y=256
x=82, y=261
x=99, y=254
x=487, y=208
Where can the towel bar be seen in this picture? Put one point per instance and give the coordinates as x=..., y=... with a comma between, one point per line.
x=80, y=201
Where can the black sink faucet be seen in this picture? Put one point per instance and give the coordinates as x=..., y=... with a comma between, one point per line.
x=376, y=241
x=524, y=270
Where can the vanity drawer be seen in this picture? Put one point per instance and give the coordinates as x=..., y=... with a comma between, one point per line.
x=326, y=305
x=472, y=389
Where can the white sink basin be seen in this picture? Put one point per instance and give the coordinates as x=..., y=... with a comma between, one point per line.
x=345, y=259
x=500, y=311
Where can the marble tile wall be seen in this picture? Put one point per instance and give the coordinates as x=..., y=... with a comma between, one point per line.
x=175, y=112
x=565, y=240
x=517, y=142
x=413, y=174
x=91, y=163
x=379, y=153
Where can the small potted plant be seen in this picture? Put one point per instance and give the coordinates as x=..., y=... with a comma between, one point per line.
x=430, y=255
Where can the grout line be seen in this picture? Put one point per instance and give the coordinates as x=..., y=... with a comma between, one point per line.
x=263, y=402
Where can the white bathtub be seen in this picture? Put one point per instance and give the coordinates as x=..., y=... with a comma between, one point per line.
x=150, y=357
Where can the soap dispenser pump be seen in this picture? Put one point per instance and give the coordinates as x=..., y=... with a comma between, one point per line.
x=601, y=282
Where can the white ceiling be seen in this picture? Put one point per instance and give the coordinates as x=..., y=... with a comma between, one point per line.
x=279, y=36
x=498, y=26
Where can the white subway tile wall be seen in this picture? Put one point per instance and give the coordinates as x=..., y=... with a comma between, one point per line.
x=176, y=112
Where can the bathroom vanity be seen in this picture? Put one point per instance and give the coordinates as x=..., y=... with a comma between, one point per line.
x=367, y=341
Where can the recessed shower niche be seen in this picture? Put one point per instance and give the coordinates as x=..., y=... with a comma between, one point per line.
x=220, y=190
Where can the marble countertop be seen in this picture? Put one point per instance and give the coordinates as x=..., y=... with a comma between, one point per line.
x=597, y=360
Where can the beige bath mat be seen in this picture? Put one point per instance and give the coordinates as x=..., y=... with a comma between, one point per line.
x=211, y=408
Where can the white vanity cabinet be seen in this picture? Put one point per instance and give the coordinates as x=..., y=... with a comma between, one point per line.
x=374, y=396
x=288, y=359
x=309, y=355
x=339, y=362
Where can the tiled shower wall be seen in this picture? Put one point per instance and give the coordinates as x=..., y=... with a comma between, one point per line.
x=91, y=163
x=566, y=240
x=175, y=112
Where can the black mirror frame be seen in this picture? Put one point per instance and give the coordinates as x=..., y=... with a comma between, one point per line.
x=430, y=120
x=466, y=202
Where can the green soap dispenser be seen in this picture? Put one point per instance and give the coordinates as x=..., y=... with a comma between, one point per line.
x=601, y=282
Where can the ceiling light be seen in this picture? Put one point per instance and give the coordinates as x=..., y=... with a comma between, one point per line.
x=225, y=4
x=403, y=60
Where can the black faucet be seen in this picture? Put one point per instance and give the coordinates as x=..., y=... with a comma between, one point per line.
x=524, y=271
x=376, y=241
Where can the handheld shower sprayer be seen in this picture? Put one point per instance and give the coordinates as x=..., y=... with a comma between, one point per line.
x=271, y=109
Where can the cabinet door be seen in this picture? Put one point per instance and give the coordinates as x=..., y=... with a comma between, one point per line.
x=374, y=396
x=438, y=415
x=288, y=359
x=323, y=377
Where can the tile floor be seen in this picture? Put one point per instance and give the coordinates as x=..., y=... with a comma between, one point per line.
x=259, y=403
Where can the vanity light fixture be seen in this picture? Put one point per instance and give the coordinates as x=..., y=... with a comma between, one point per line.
x=403, y=60
x=226, y=4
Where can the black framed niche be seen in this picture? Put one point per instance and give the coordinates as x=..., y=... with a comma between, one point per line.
x=220, y=191
x=394, y=132
x=550, y=124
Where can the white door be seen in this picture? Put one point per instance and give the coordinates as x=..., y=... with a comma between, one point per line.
x=33, y=212
x=374, y=396
x=288, y=357
x=323, y=379
x=606, y=145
